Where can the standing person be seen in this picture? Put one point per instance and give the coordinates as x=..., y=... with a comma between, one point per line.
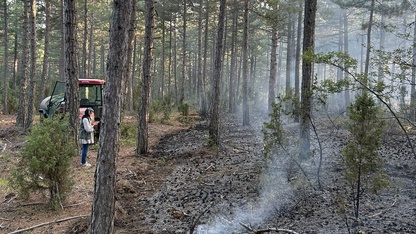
x=86, y=134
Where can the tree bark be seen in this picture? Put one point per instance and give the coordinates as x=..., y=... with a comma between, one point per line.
x=33, y=59
x=85, y=43
x=201, y=81
x=6, y=60
x=273, y=69
x=246, y=109
x=413, y=83
x=233, y=70
x=214, y=121
x=142, y=143
x=204, y=106
x=182, y=84
x=45, y=61
x=307, y=78
x=298, y=61
x=71, y=68
x=21, y=109
x=105, y=175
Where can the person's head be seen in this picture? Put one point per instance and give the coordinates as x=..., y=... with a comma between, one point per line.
x=88, y=111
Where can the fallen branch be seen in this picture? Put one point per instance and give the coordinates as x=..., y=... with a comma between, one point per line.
x=47, y=223
x=259, y=231
x=195, y=222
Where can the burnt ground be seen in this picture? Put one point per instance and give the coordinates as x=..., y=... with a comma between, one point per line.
x=183, y=186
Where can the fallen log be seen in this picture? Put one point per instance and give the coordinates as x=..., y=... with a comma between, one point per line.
x=259, y=231
x=47, y=223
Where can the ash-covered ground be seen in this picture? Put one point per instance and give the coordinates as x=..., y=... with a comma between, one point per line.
x=187, y=187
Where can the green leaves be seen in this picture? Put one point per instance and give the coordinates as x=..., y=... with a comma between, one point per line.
x=45, y=161
x=363, y=165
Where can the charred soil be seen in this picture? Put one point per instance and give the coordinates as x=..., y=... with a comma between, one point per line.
x=185, y=186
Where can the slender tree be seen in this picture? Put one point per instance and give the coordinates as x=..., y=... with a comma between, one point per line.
x=307, y=68
x=413, y=83
x=142, y=141
x=33, y=59
x=214, y=121
x=6, y=58
x=232, y=105
x=85, y=42
x=22, y=77
x=201, y=81
x=273, y=70
x=71, y=68
x=298, y=60
x=45, y=62
x=246, y=109
x=102, y=218
x=183, y=79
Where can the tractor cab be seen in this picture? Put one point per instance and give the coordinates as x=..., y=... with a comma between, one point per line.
x=90, y=94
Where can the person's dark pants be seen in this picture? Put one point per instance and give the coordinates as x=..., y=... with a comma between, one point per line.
x=84, y=151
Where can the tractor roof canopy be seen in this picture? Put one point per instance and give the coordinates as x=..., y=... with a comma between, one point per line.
x=91, y=81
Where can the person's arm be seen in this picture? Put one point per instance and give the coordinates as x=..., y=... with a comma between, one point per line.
x=87, y=125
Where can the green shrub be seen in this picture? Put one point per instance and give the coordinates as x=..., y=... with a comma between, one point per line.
x=161, y=109
x=363, y=163
x=128, y=133
x=184, y=109
x=45, y=162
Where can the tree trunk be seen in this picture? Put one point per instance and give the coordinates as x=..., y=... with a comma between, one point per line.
x=6, y=60
x=204, y=109
x=22, y=106
x=162, y=62
x=413, y=84
x=62, y=55
x=246, y=110
x=85, y=43
x=233, y=70
x=71, y=68
x=128, y=104
x=368, y=45
x=142, y=143
x=200, y=77
x=307, y=76
x=289, y=48
x=33, y=59
x=273, y=68
x=45, y=62
x=214, y=121
x=346, y=50
x=102, y=220
x=298, y=61
x=182, y=85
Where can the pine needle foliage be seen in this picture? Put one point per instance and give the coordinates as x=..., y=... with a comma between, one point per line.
x=45, y=162
x=273, y=132
x=363, y=163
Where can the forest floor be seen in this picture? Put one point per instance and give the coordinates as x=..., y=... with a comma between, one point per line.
x=183, y=186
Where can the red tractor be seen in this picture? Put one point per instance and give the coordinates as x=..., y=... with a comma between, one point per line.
x=90, y=94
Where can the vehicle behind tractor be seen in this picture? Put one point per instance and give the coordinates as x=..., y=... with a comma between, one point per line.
x=90, y=94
